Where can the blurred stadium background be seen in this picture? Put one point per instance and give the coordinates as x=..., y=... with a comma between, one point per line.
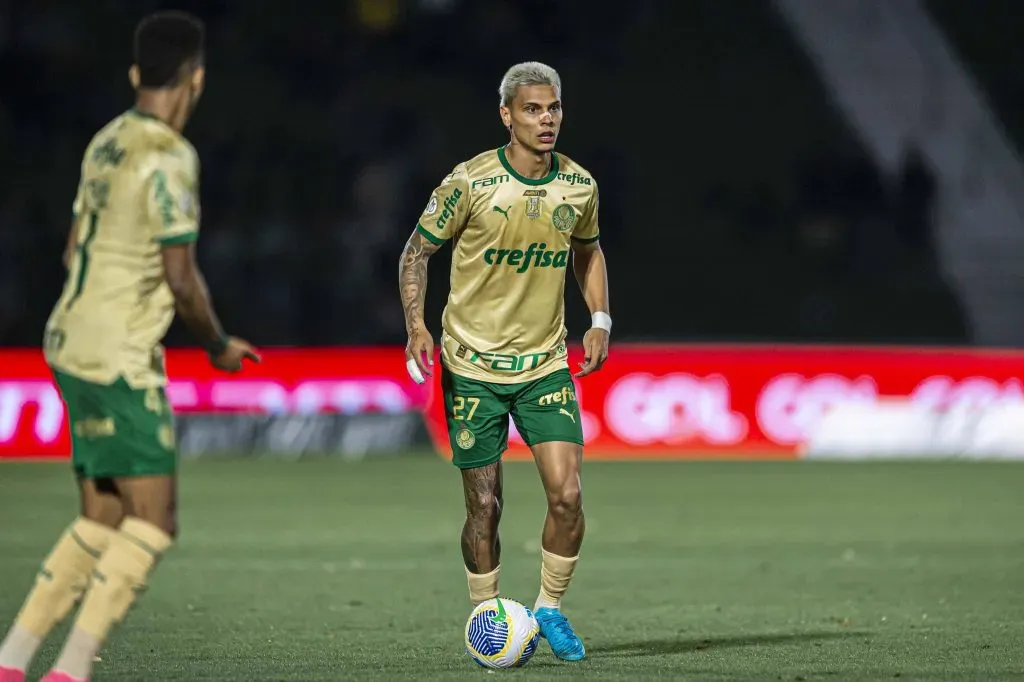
x=814, y=219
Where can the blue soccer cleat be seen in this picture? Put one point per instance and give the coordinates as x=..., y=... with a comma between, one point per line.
x=555, y=628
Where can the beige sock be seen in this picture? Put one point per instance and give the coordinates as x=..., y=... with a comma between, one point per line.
x=482, y=586
x=119, y=577
x=555, y=575
x=60, y=583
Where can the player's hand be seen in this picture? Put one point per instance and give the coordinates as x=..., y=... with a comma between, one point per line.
x=237, y=350
x=595, y=351
x=419, y=355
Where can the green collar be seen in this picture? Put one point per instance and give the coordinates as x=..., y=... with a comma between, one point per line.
x=529, y=181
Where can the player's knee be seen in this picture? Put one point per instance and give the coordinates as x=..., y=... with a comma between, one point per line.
x=566, y=501
x=159, y=516
x=484, y=506
x=153, y=502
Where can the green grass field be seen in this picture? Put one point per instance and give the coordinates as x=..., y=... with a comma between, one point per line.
x=325, y=570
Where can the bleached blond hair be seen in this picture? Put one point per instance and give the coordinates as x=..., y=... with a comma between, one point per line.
x=527, y=73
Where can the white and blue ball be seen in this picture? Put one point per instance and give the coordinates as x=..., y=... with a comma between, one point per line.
x=502, y=633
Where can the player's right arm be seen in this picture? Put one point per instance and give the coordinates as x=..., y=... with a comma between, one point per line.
x=444, y=216
x=173, y=207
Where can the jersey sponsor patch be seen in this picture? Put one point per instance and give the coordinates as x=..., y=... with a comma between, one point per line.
x=535, y=256
x=448, y=211
x=431, y=208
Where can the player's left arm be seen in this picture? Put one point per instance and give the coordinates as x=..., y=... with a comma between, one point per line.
x=588, y=265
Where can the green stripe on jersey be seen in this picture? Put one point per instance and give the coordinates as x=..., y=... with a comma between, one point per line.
x=186, y=238
x=433, y=239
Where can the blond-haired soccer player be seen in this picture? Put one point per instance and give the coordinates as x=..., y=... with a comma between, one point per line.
x=131, y=259
x=516, y=217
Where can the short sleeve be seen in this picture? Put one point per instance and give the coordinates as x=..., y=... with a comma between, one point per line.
x=587, y=230
x=447, y=211
x=172, y=201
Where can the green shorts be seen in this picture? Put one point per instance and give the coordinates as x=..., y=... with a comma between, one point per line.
x=477, y=412
x=117, y=430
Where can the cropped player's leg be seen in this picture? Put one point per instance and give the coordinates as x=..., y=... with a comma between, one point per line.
x=62, y=579
x=559, y=465
x=547, y=416
x=481, y=545
x=66, y=572
x=123, y=571
x=137, y=452
x=477, y=417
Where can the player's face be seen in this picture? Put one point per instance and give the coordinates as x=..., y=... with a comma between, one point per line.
x=535, y=116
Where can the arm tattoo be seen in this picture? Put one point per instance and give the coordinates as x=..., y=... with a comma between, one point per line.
x=412, y=278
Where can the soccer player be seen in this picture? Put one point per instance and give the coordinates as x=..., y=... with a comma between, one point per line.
x=131, y=261
x=514, y=215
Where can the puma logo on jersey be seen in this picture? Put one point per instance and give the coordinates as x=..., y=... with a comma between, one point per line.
x=567, y=413
x=504, y=213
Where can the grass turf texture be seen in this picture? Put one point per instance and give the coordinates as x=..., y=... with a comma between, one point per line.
x=325, y=570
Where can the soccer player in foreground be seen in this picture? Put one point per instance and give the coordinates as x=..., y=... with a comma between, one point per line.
x=131, y=261
x=514, y=215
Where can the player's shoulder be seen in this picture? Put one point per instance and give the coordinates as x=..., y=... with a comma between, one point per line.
x=468, y=173
x=472, y=169
x=483, y=165
x=138, y=144
x=104, y=136
x=574, y=173
x=154, y=142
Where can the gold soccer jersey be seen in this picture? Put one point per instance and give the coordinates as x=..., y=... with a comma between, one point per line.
x=138, y=192
x=511, y=238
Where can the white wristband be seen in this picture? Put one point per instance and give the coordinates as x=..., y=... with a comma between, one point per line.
x=600, y=320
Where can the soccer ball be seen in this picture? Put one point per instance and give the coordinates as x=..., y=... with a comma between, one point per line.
x=502, y=633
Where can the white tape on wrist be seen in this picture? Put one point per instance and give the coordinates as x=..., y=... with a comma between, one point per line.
x=414, y=371
x=600, y=320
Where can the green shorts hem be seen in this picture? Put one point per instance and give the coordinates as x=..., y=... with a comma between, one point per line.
x=476, y=464
x=129, y=471
x=540, y=441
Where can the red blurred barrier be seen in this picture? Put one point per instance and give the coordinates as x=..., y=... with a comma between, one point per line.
x=648, y=401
